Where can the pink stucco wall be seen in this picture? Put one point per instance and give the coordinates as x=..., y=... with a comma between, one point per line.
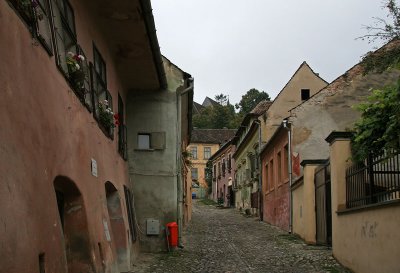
x=275, y=187
x=46, y=132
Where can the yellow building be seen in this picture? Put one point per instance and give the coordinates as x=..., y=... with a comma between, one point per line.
x=204, y=143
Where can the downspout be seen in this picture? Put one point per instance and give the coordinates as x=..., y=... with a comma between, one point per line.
x=259, y=170
x=287, y=126
x=179, y=161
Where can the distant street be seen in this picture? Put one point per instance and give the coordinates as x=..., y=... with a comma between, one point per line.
x=223, y=240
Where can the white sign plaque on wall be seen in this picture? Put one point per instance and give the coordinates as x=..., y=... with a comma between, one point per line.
x=94, y=167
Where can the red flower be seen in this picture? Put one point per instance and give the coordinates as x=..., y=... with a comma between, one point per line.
x=116, y=116
x=117, y=122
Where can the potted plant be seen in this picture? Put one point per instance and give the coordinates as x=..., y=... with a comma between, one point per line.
x=76, y=71
x=107, y=117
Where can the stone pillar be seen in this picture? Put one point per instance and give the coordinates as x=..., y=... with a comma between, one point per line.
x=340, y=160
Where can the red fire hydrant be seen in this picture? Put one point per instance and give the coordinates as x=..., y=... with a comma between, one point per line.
x=173, y=234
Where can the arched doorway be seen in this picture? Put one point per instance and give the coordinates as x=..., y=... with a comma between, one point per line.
x=73, y=220
x=117, y=226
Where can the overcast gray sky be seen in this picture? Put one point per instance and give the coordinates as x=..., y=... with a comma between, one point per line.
x=231, y=46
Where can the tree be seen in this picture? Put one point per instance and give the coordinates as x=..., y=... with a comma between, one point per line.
x=382, y=29
x=218, y=116
x=250, y=100
x=378, y=129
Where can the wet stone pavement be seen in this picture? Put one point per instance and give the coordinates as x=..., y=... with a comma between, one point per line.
x=223, y=240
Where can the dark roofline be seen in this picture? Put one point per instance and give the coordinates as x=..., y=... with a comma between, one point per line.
x=217, y=141
x=155, y=47
x=222, y=148
x=343, y=75
x=239, y=147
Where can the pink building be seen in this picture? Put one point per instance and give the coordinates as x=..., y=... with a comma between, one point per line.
x=223, y=174
x=69, y=72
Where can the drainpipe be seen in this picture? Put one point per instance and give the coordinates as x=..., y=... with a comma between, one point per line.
x=287, y=125
x=259, y=170
x=178, y=159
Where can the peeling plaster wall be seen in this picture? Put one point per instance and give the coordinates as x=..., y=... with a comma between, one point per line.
x=155, y=174
x=333, y=109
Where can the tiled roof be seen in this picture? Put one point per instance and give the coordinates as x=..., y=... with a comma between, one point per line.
x=261, y=107
x=215, y=136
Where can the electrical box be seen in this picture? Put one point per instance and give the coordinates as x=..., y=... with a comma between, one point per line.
x=152, y=227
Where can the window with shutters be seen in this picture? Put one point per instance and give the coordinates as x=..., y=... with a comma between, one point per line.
x=150, y=141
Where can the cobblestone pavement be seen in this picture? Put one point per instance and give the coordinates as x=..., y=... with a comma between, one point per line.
x=223, y=240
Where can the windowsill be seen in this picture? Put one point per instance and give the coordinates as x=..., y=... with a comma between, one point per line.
x=144, y=150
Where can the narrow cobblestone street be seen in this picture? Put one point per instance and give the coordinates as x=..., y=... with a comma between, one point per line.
x=223, y=240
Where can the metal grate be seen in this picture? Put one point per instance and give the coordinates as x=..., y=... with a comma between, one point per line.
x=376, y=180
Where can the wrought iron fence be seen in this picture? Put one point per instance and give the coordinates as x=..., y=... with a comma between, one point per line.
x=376, y=180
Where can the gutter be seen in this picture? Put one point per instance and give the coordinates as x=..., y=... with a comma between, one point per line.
x=148, y=18
x=287, y=125
x=180, y=187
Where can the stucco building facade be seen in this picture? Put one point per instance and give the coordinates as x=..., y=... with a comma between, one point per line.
x=70, y=73
x=275, y=180
x=203, y=144
x=223, y=167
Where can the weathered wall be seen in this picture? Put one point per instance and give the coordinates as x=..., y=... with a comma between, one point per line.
x=332, y=109
x=156, y=174
x=245, y=186
x=226, y=179
x=153, y=173
x=364, y=240
x=304, y=223
x=276, y=186
x=47, y=132
x=290, y=96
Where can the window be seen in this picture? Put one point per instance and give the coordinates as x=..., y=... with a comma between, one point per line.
x=214, y=171
x=194, y=173
x=193, y=152
x=122, y=131
x=207, y=152
x=25, y=9
x=131, y=212
x=285, y=162
x=305, y=94
x=64, y=32
x=267, y=177
x=229, y=163
x=279, y=161
x=223, y=167
x=99, y=83
x=252, y=159
x=219, y=169
x=144, y=141
x=271, y=175
x=43, y=30
x=151, y=141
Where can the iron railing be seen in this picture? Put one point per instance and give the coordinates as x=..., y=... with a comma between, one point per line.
x=376, y=180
